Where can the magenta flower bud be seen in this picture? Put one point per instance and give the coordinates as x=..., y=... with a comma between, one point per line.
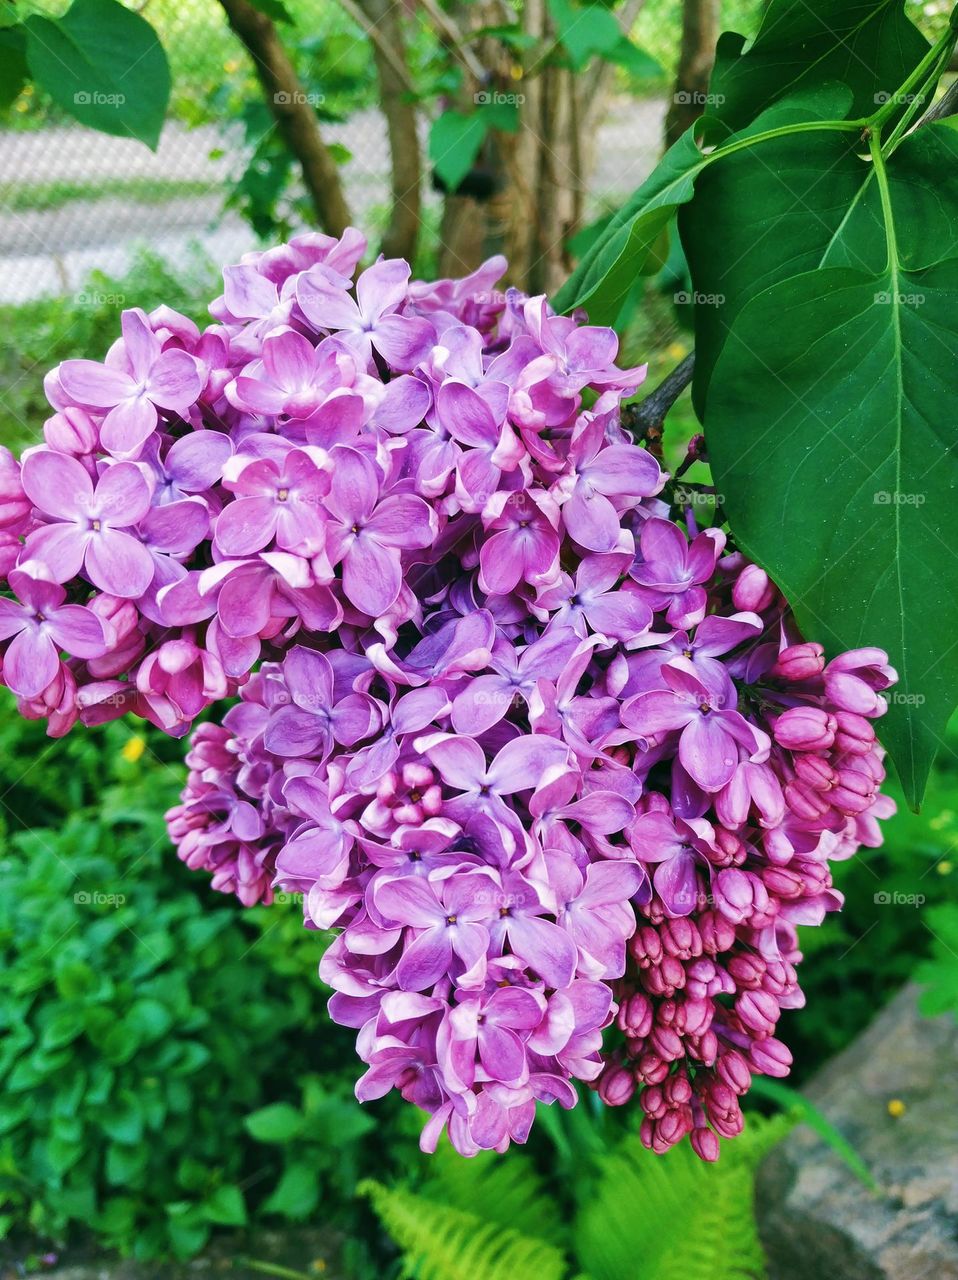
x=645, y=947
x=854, y=793
x=753, y=591
x=759, y=1012
x=650, y=1068
x=681, y=938
x=71, y=431
x=732, y=1069
x=855, y=734
x=783, y=882
x=717, y=933
x=674, y=1125
x=770, y=1057
x=815, y=772
x=870, y=664
x=652, y=1101
x=10, y=546
x=705, y=1144
x=780, y=978
x=636, y=1015
x=665, y=978
x=704, y=1047
x=677, y=1090
x=805, y=729
x=747, y=969
x=15, y=506
x=799, y=662
x=616, y=1086
x=806, y=803
x=850, y=692
x=695, y=1016
x=739, y=894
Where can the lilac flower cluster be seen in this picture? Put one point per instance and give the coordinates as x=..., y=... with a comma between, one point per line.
x=548, y=763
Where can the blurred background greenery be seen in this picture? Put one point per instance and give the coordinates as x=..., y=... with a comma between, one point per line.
x=167, y=1068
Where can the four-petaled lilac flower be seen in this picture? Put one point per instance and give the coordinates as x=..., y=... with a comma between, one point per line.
x=602, y=480
x=371, y=319
x=133, y=385
x=274, y=500
x=365, y=533
x=90, y=528
x=672, y=573
x=315, y=718
x=38, y=628
x=448, y=921
x=524, y=546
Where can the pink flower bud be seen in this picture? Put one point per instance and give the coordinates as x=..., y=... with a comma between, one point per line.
x=799, y=662
x=815, y=772
x=717, y=933
x=758, y=1011
x=72, y=431
x=15, y=506
x=770, y=1057
x=705, y=1144
x=652, y=1101
x=733, y=1070
x=783, y=882
x=850, y=693
x=739, y=894
x=805, y=729
x=748, y=970
x=752, y=590
x=681, y=938
x=855, y=734
x=616, y=1086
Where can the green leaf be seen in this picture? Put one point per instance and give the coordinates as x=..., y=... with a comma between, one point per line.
x=13, y=64
x=279, y=1122
x=604, y=278
x=454, y=143
x=867, y=44
x=275, y=10
x=832, y=400
x=296, y=1194
x=585, y=30
x=64, y=1026
x=225, y=1207
x=103, y=64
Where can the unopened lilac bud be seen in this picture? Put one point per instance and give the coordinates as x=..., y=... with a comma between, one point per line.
x=645, y=947
x=616, y=1086
x=667, y=1043
x=748, y=970
x=677, y=1089
x=717, y=933
x=770, y=1057
x=705, y=1144
x=758, y=1011
x=799, y=662
x=739, y=894
x=72, y=431
x=674, y=1125
x=681, y=938
x=704, y=1047
x=855, y=735
x=695, y=1016
x=805, y=729
x=10, y=546
x=635, y=1015
x=850, y=693
x=651, y=1069
x=854, y=793
x=15, y=506
x=652, y=1101
x=783, y=882
x=733, y=1070
x=753, y=591
x=814, y=771
x=807, y=803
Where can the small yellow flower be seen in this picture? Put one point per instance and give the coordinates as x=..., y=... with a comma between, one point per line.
x=230, y=66
x=133, y=749
x=676, y=351
x=945, y=867
x=896, y=1107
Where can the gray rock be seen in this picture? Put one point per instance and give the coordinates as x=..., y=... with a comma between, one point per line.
x=818, y=1222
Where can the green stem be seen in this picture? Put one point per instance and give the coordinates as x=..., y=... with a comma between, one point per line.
x=274, y=1269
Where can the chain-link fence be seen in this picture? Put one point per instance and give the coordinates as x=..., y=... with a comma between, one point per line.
x=73, y=200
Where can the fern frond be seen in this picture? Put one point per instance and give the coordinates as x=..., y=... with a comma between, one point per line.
x=506, y=1190
x=441, y=1243
x=674, y=1218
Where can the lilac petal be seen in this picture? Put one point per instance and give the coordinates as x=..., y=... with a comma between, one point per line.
x=139, y=341
x=409, y=901
x=652, y=837
x=195, y=462
x=118, y=564
x=502, y=1054
x=382, y=287
x=128, y=425
x=403, y=341
x=466, y=416
x=622, y=615
x=603, y=812
x=354, y=487
x=546, y=949
x=525, y=763
x=57, y=484
x=501, y=566
x=93, y=384
x=460, y=761
x=610, y=884
x=294, y=732
x=591, y=520
x=425, y=960
x=246, y=525
x=482, y=703
x=324, y=303
x=60, y=548
x=77, y=630
x=676, y=884
x=309, y=677
x=247, y=293
x=243, y=604
x=372, y=576
x=178, y=527
x=289, y=359
x=175, y=381
x=402, y=521
x=656, y=712
x=626, y=470
x=708, y=752
x=13, y=618
x=310, y=856
x=30, y=663
x=664, y=543
x=122, y=495
x=716, y=635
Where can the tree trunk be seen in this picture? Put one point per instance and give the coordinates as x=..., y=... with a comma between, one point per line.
x=700, y=20
x=292, y=112
x=389, y=51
